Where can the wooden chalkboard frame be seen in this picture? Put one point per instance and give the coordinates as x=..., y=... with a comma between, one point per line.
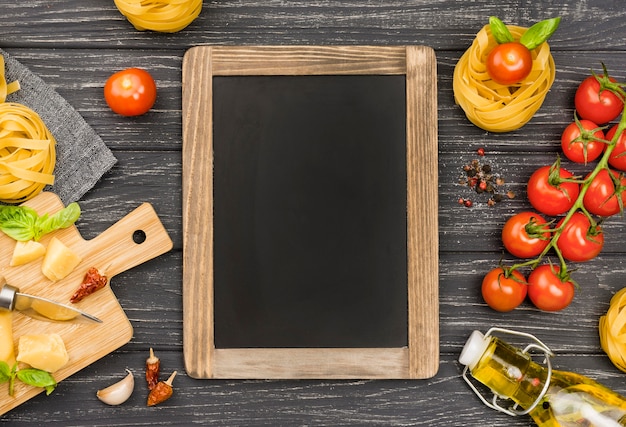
x=420, y=359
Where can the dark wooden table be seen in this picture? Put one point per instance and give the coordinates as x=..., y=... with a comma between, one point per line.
x=74, y=45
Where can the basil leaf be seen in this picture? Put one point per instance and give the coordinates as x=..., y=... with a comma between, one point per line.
x=539, y=33
x=62, y=219
x=37, y=378
x=18, y=222
x=499, y=30
x=5, y=372
x=22, y=223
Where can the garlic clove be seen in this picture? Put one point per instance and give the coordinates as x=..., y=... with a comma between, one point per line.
x=118, y=393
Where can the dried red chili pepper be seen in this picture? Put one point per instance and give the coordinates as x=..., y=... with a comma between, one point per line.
x=162, y=391
x=92, y=281
x=153, y=367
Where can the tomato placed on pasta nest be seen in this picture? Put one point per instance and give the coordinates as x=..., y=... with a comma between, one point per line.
x=548, y=198
x=547, y=291
x=601, y=198
x=130, y=92
x=617, y=158
x=577, y=147
x=516, y=237
x=503, y=293
x=509, y=63
x=593, y=104
x=579, y=241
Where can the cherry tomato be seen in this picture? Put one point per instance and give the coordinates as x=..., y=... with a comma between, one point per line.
x=509, y=63
x=617, y=158
x=599, y=107
x=130, y=92
x=523, y=235
x=548, y=198
x=600, y=198
x=547, y=291
x=504, y=293
x=579, y=148
x=579, y=242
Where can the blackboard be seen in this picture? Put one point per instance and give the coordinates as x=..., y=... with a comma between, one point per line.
x=310, y=212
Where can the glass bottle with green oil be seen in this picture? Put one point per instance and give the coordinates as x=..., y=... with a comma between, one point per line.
x=552, y=398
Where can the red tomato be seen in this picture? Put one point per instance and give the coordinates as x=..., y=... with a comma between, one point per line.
x=617, y=158
x=599, y=107
x=582, y=147
x=547, y=291
x=130, y=92
x=504, y=293
x=600, y=198
x=548, y=198
x=578, y=242
x=509, y=63
x=523, y=235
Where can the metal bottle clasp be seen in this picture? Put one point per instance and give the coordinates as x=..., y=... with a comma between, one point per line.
x=512, y=410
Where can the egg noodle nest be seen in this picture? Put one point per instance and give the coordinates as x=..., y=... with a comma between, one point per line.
x=612, y=329
x=27, y=148
x=166, y=16
x=490, y=105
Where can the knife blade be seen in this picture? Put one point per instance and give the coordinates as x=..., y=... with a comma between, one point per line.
x=41, y=308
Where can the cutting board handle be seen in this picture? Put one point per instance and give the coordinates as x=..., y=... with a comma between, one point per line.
x=134, y=239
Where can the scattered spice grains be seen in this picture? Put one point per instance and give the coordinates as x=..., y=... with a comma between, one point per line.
x=480, y=177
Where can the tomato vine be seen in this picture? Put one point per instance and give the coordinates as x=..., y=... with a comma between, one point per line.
x=562, y=272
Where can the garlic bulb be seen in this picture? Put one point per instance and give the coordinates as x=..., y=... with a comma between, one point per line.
x=118, y=393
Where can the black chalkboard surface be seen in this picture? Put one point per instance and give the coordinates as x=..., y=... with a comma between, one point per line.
x=310, y=211
x=310, y=240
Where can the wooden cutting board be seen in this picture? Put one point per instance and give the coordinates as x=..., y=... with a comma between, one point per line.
x=114, y=250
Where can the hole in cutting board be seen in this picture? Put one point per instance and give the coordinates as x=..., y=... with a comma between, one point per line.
x=139, y=236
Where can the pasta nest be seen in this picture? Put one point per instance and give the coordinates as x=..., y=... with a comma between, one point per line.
x=27, y=153
x=612, y=329
x=166, y=16
x=490, y=105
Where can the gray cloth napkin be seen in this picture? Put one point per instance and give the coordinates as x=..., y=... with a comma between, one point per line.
x=82, y=156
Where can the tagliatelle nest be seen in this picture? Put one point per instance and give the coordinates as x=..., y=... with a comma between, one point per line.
x=490, y=105
x=166, y=16
x=27, y=153
x=612, y=329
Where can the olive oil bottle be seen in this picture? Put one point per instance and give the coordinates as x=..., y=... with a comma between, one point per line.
x=552, y=398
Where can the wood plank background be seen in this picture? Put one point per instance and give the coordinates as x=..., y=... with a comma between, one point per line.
x=74, y=45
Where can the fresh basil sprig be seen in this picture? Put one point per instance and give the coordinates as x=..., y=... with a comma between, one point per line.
x=533, y=37
x=37, y=378
x=23, y=223
x=30, y=376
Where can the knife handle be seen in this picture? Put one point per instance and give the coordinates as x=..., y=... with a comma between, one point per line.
x=7, y=296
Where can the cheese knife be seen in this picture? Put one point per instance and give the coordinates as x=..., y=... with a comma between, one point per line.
x=41, y=308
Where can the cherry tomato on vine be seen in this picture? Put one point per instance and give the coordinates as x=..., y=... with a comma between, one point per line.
x=547, y=291
x=577, y=147
x=579, y=241
x=548, y=198
x=523, y=235
x=130, y=92
x=598, y=106
x=503, y=293
x=601, y=198
x=509, y=63
x=617, y=158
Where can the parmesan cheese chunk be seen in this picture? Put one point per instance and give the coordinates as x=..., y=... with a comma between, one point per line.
x=42, y=351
